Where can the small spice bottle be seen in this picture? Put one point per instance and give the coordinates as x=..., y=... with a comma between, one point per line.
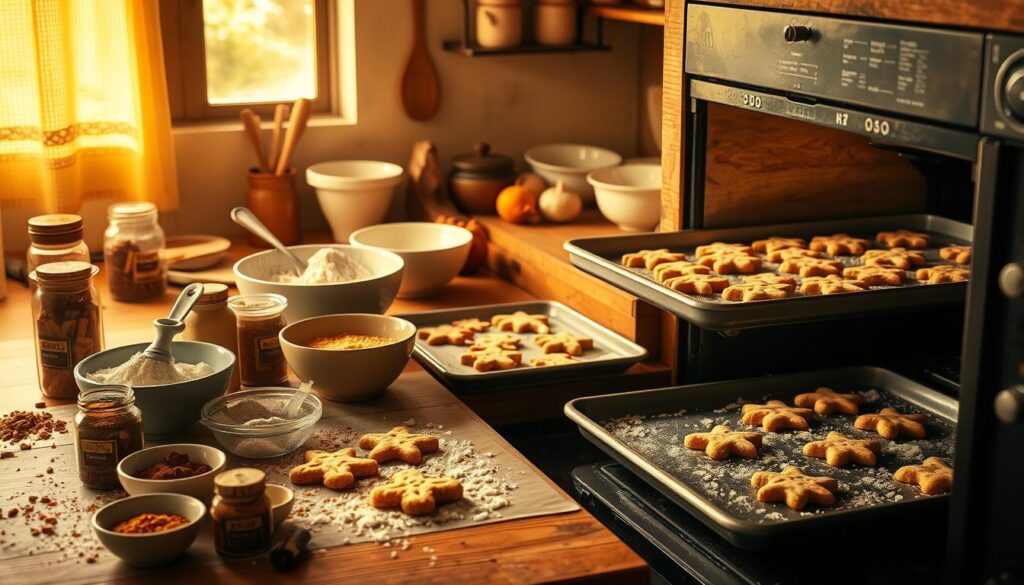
x=213, y=322
x=67, y=321
x=132, y=246
x=56, y=237
x=242, y=523
x=260, y=319
x=108, y=428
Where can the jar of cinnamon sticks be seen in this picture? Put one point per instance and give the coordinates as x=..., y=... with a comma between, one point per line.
x=132, y=245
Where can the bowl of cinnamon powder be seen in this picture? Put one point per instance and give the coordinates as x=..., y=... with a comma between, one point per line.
x=149, y=530
x=182, y=468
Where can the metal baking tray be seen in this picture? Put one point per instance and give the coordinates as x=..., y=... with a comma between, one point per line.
x=601, y=257
x=612, y=352
x=644, y=431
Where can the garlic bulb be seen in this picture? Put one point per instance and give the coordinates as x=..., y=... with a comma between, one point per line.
x=559, y=205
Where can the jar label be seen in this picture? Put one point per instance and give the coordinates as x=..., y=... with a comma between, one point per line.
x=97, y=455
x=246, y=535
x=55, y=352
x=146, y=266
x=268, y=351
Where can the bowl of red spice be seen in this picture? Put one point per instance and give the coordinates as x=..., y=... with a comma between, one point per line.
x=182, y=468
x=149, y=530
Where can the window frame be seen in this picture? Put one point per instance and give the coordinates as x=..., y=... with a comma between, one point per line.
x=181, y=24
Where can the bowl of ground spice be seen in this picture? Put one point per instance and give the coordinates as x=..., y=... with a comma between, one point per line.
x=183, y=468
x=348, y=357
x=149, y=530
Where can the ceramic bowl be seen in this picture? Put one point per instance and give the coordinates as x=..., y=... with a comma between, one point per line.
x=198, y=486
x=155, y=548
x=433, y=252
x=264, y=441
x=629, y=196
x=168, y=410
x=349, y=375
x=282, y=500
x=375, y=294
x=353, y=193
x=571, y=163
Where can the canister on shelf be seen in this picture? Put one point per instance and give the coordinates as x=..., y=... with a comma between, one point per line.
x=241, y=512
x=260, y=319
x=213, y=322
x=108, y=428
x=555, y=22
x=132, y=246
x=499, y=23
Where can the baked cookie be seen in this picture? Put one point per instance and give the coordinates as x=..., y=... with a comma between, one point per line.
x=875, y=275
x=776, y=243
x=795, y=488
x=840, y=450
x=832, y=284
x=904, y=238
x=697, y=284
x=722, y=442
x=650, y=258
x=894, y=258
x=827, y=401
x=943, y=273
x=491, y=358
x=398, y=443
x=755, y=291
x=769, y=278
x=891, y=424
x=776, y=415
x=521, y=322
x=958, y=254
x=731, y=262
x=553, y=359
x=839, y=245
x=497, y=340
x=445, y=335
x=337, y=470
x=663, y=272
x=722, y=247
x=788, y=253
x=933, y=476
x=811, y=266
x=474, y=325
x=415, y=493
x=564, y=342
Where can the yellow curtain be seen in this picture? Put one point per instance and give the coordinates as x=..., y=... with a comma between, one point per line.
x=83, y=104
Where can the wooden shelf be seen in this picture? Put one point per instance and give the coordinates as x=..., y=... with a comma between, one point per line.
x=639, y=15
x=472, y=51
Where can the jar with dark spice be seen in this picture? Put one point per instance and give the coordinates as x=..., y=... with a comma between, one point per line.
x=67, y=322
x=56, y=237
x=108, y=428
x=132, y=246
x=260, y=320
x=241, y=512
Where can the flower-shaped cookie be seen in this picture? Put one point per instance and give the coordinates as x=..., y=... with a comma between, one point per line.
x=498, y=340
x=832, y=284
x=697, y=284
x=839, y=245
x=731, y=262
x=891, y=424
x=474, y=325
x=717, y=247
x=795, y=488
x=958, y=254
x=933, y=476
x=756, y=291
x=564, y=342
x=894, y=258
x=488, y=358
x=840, y=450
x=663, y=272
x=827, y=401
x=521, y=322
x=875, y=275
x=446, y=334
x=811, y=266
x=722, y=442
x=398, y=443
x=789, y=253
x=415, y=493
x=776, y=243
x=650, y=258
x=943, y=273
x=904, y=238
x=776, y=415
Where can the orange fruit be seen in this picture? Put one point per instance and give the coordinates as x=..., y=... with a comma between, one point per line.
x=516, y=204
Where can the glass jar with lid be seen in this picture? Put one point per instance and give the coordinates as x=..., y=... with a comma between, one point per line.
x=241, y=512
x=56, y=237
x=213, y=322
x=67, y=321
x=132, y=248
x=260, y=320
x=108, y=428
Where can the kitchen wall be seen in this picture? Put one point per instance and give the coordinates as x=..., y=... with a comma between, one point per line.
x=512, y=102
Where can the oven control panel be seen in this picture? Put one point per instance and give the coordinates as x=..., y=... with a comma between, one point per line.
x=1002, y=112
x=927, y=73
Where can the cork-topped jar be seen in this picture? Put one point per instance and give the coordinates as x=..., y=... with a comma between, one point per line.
x=132, y=246
x=241, y=512
x=56, y=237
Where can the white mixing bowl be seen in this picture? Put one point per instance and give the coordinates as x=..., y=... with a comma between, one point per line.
x=433, y=252
x=629, y=196
x=570, y=163
x=353, y=193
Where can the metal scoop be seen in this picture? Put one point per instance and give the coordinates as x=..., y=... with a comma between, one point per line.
x=247, y=219
x=173, y=324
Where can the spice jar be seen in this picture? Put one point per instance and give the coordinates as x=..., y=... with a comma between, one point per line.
x=132, y=246
x=67, y=321
x=56, y=237
x=213, y=322
x=499, y=23
x=108, y=428
x=241, y=511
x=260, y=319
x=555, y=22
x=477, y=178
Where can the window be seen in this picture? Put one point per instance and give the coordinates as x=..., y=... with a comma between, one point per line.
x=226, y=55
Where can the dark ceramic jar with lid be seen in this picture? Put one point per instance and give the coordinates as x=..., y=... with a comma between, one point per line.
x=478, y=177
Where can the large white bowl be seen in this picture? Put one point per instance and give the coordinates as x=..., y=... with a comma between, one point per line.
x=630, y=195
x=353, y=193
x=367, y=295
x=154, y=548
x=433, y=252
x=570, y=163
x=198, y=486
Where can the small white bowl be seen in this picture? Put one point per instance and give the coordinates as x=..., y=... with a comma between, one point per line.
x=434, y=253
x=570, y=163
x=155, y=548
x=282, y=500
x=198, y=486
x=629, y=196
x=353, y=193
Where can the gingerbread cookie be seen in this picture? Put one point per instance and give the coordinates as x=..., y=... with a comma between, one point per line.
x=722, y=247
x=933, y=476
x=755, y=291
x=445, y=334
x=769, y=278
x=811, y=266
x=564, y=342
x=499, y=340
x=697, y=284
x=776, y=415
x=839, y=245
x=553, y=359
x=891, y=424
x=789, y=253
x=777, y=243
x=827, y=401
x=731, y=262
x=489, y=358
x=521, y=322
x=663, y=272
x=415, y=493
x=337, y=470
x=722, y=442
x=840, y=450
x=904, y=238
x=474, y=325
x=795, y=488
x=832, y=284
x=875, y=275
x=958, y=254
x=894, y=258
x=398, y=443
x=650, y=258
x=943, y=273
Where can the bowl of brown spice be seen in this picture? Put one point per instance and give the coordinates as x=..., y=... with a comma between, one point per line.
x=149, y=530
x=183, y=468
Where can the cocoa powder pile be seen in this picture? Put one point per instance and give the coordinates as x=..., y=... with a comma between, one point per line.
x=21, y=426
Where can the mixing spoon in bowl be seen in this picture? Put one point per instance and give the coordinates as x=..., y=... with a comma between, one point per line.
x=247, y=219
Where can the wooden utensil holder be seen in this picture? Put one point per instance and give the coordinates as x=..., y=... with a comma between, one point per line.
x=273, y=200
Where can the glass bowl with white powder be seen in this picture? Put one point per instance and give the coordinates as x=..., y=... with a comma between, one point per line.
x=255, y=423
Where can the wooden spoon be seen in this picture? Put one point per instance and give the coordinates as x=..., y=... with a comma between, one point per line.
x=296, y=125
x=251, y=122
x=276, y=138
x=420, y=89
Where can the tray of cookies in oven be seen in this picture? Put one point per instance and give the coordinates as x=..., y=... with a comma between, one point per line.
x=495, y=346
x=766, y=275
x=785, y=456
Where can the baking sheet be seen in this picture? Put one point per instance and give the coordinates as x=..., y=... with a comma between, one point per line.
x=644, y=431
x=602, y=257
x=334, y=517
x=611, y=354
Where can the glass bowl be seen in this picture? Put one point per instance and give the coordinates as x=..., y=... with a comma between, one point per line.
x=226, y=416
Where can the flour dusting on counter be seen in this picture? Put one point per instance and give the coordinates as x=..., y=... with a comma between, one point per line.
x=327, y=265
